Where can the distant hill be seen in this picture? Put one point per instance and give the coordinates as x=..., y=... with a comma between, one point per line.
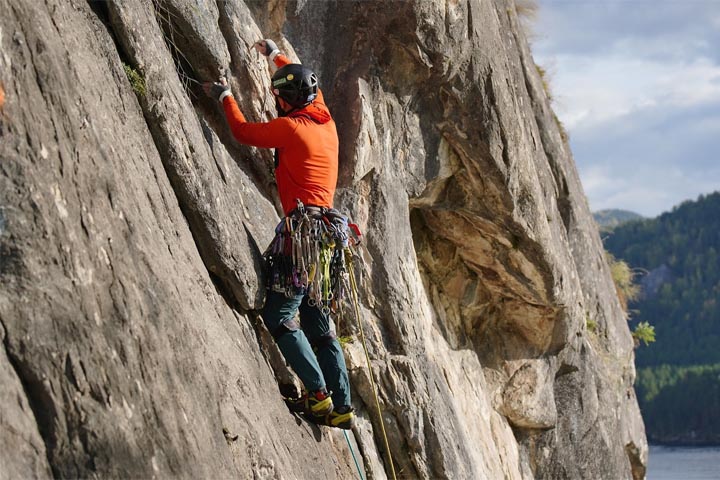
x=611, y=218
x=677, y=256
x=679, y=253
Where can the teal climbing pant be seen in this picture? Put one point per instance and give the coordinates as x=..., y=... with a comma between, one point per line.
x=311, y=348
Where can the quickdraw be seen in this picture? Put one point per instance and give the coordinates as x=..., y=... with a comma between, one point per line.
x=308, y=256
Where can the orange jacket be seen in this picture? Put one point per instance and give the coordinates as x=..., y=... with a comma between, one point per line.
x=307, y=147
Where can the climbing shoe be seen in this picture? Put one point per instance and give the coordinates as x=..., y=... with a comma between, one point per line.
x=341, y=417
x=316, y=405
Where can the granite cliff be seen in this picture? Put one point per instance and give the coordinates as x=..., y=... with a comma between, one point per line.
x=131, y=227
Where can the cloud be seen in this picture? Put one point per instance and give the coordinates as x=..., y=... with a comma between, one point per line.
x=595, y=90
x=671, y=189
x=660, y=28
x=637, y=86
x=650, y=160
x=643, y=187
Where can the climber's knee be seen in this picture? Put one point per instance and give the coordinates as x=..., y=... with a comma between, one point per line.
x=323, y=340
x=287, y=327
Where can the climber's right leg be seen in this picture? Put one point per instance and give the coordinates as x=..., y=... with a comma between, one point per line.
x=279, y=316
x=320, y=331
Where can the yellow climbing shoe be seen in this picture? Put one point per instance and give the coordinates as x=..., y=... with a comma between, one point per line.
x=317, y=405
x=342, y=417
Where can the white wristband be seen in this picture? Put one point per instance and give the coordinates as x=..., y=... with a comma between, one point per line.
x=273, y=54
x=226, y=93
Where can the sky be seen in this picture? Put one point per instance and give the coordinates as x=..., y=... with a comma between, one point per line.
x=637, y=85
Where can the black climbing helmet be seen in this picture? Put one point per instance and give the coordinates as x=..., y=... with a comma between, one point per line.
x=296, y=84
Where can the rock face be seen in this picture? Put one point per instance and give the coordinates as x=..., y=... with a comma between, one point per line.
x=131, y=228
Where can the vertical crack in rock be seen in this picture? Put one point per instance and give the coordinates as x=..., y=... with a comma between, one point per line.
x=251, y=84
x=39, y=399
x=186, y=142
x=175, y=40
x=165, y=17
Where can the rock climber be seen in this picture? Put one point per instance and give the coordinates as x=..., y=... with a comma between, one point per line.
x=306, y=166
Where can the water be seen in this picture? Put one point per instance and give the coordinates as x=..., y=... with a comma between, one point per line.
x=684, y=463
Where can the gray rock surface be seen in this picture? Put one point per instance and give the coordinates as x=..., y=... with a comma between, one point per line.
x=131, y=227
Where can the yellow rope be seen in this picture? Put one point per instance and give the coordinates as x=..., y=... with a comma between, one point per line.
x=353, y=288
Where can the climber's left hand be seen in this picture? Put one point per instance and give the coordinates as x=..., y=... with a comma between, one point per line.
x=266, y=47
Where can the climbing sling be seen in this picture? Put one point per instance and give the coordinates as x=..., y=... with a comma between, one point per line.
x=307, y=256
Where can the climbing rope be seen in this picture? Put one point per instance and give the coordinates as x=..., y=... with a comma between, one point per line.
x=352, y=452
x=356, y=302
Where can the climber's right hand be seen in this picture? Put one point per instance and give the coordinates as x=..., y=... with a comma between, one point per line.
x=217, y=90
x=266, y=47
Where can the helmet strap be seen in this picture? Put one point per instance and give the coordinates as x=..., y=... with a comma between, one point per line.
x=284, y=113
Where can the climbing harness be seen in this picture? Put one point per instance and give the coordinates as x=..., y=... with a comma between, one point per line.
x=308, y=256
x=315, y=253
x=352, y=452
